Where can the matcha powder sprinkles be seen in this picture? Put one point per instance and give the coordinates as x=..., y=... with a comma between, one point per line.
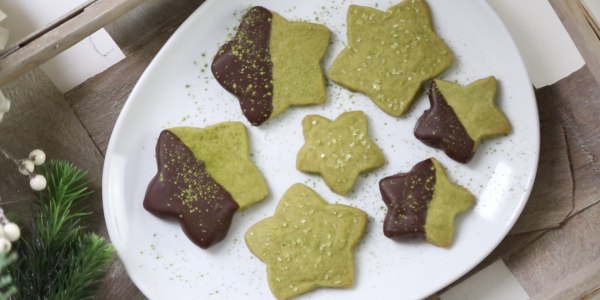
x=204, y=176
x=272, y=64
x=243, y=66
x=204, y=208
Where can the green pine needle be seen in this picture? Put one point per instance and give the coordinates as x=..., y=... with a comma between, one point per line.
x=7, y=288
x=66, y=187
x=84, y=274
x=58, y=260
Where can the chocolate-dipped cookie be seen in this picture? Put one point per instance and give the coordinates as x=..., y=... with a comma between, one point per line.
x=460, y=117
x=204, y=176
x=272, y=64
x=423, y=203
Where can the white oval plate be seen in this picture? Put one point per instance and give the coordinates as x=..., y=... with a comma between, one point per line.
x=178, y=89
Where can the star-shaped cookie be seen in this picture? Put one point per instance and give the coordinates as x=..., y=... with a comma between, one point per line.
x=308, y=243
x=183, y=189
x=204, y=176
x=423, y=203
x=338, y=150
x=390, y=54
x=225, y=150
x=272, y=64
x=460, y=117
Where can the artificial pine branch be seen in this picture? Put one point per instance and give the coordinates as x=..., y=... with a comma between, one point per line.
x=88, y=266
x=7, y=289
x=67, y=187
x=58, y=260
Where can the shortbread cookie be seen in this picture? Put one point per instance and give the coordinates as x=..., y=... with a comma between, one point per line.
x=390, y=54
x=308, y=243
x=338, y=150
x=460, y=117
x=204, y=176
x=272, y=64
x=423, y=203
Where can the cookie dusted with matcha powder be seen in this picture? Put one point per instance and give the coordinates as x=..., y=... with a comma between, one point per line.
x=390, y=54
x=338, y=150
x=204, y=176
x=423, y=203
x=308, y=243
x=272, y=64
x=460, y=117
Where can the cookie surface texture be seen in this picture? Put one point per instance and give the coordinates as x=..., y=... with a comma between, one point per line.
x=204, y=176
x=272, y=64
x=423, y=203
x=338, y=150
x=308, y=243
x=390, y=54
x=460, y=117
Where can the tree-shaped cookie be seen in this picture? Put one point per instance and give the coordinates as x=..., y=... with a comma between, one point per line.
x=390, y=54
x=308, y=243
x=338, y=150
x=272, y=64
x=204, y=176
x=423, y=203
x=460, y=117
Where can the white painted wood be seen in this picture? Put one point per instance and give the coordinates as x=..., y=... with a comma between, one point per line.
x=63, y=36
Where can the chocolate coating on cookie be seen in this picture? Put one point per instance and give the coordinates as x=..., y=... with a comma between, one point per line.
x=407, y=196
x=440, y=127
x=243, y=65
x=182, y=188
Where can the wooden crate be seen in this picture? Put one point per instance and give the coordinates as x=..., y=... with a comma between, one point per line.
x=68, y=30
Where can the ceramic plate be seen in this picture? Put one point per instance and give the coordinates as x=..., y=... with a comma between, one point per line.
x=178, y=89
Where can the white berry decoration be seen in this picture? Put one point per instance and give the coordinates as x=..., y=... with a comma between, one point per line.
x=37, y=182
x=12, y=232
x=38, y=157
x=5, y=245
x=26, y=166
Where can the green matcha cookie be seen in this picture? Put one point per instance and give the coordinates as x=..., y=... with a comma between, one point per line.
x=204, y=176
x=225, y=150
x=338, y=150
x=308, y=243
x=423, y=203
x=272, y=64
x=390, y=54
x=460, y=117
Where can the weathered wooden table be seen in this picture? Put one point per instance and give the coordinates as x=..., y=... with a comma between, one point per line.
x=562, y=260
